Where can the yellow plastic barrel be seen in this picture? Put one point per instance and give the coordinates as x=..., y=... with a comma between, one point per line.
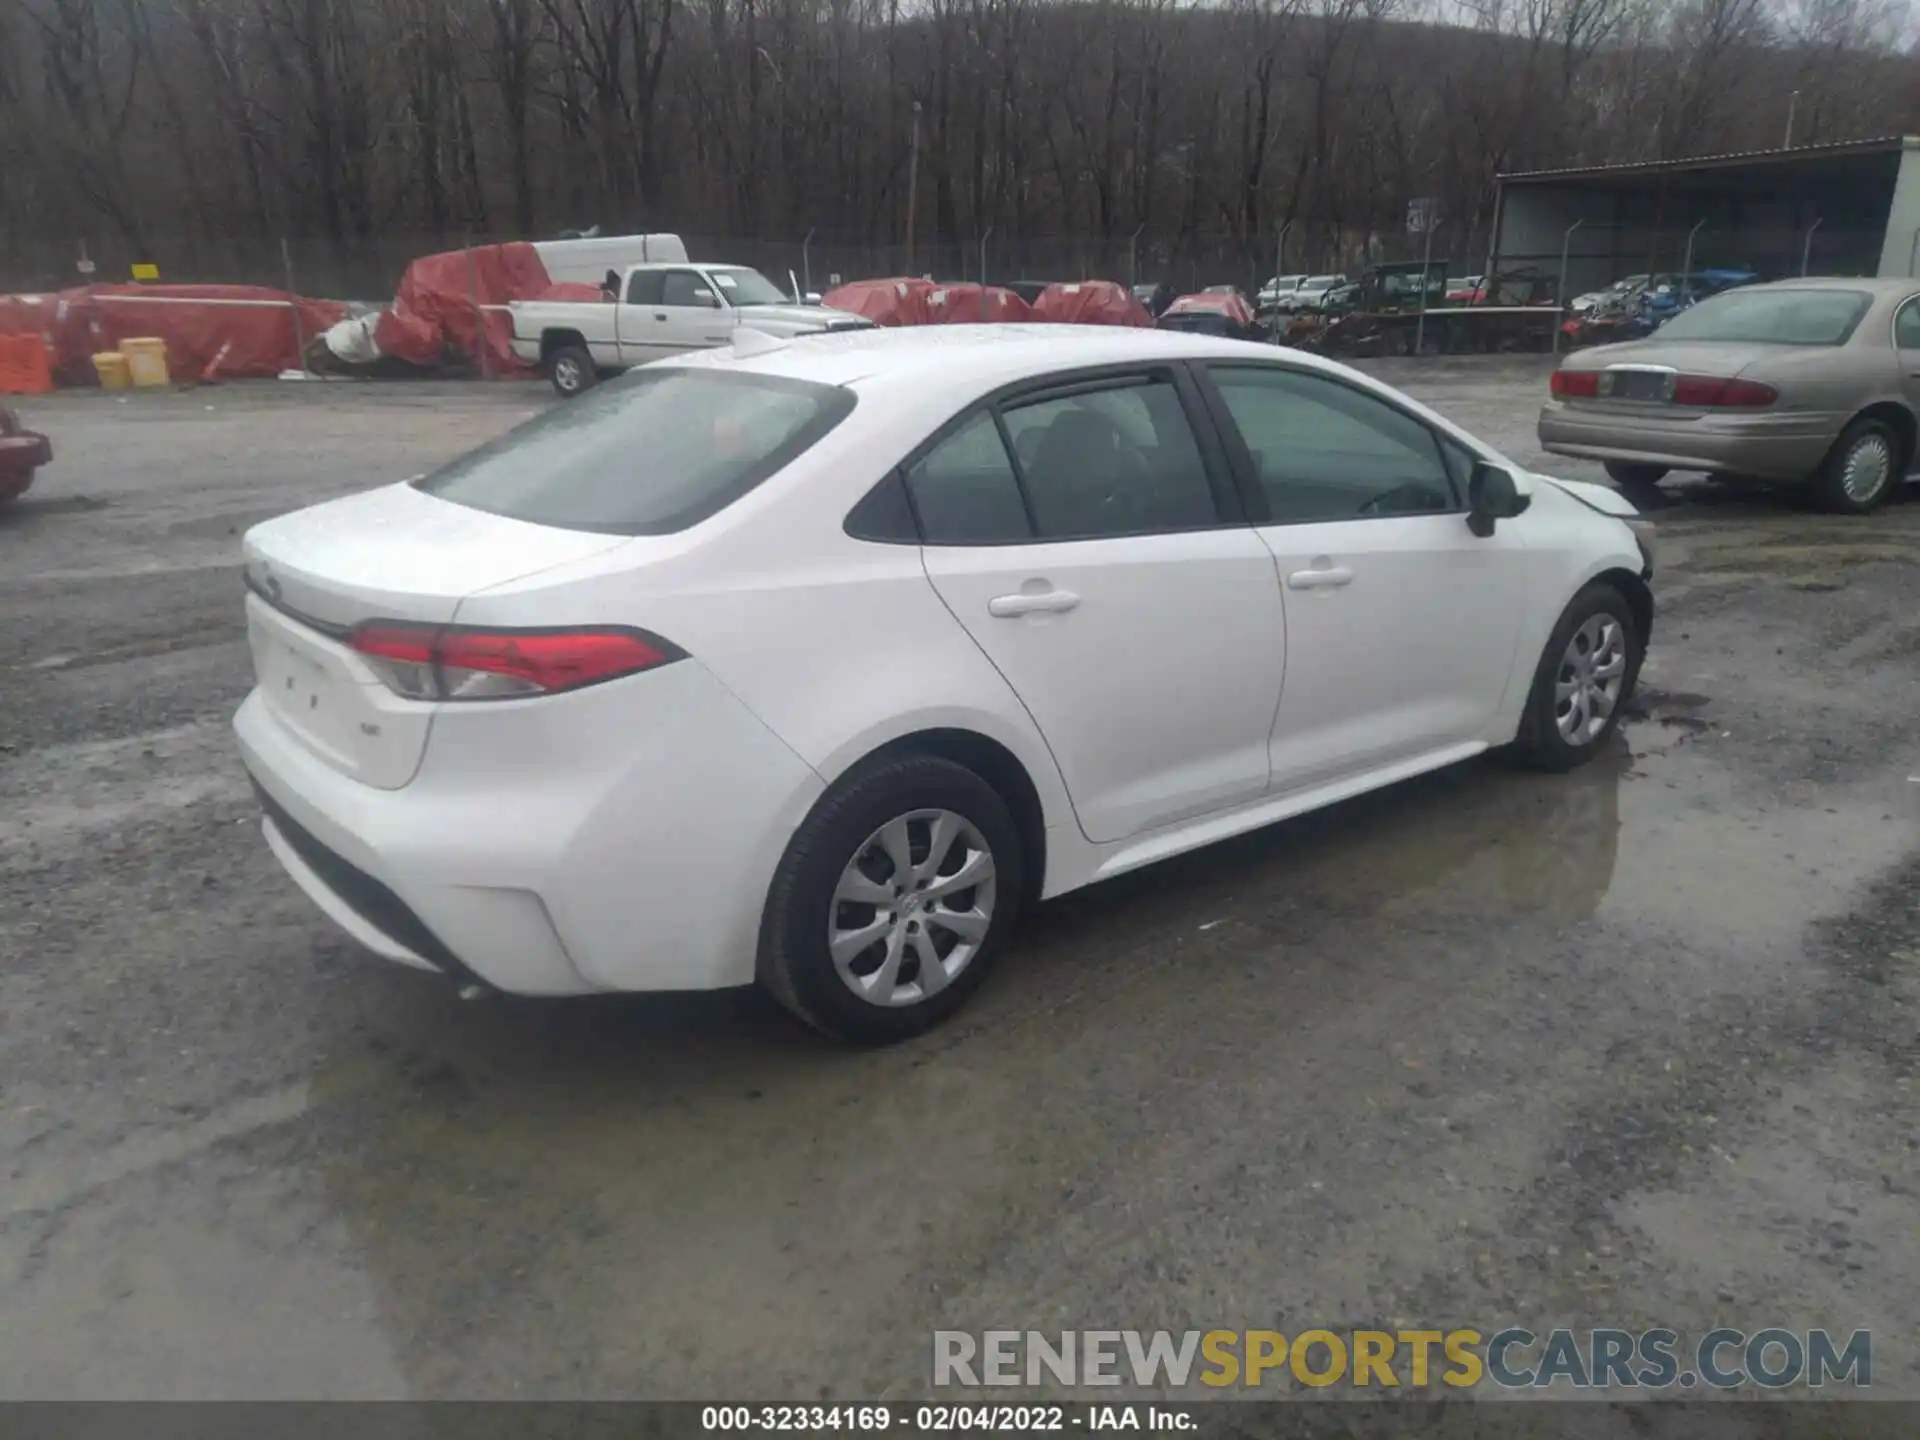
x=146, y=362
x=111, y=367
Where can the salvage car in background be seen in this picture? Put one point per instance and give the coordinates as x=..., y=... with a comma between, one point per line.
x=659, y=310
x=1271, y=293
x=1800, y=382
x=1212, y=312
x=812, y=662
x=1594, y=299
x=22, y=451
x=1308, y=294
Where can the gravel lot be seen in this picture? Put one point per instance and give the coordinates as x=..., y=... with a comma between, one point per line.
x=1627, y=1047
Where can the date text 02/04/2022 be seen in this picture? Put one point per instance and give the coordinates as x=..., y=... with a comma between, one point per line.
x=940, y=1419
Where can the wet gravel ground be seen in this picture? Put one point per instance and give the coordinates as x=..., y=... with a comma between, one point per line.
x=1633, y=1046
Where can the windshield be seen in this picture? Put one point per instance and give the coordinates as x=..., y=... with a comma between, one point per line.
x=649, y=454
x=1320, y=282
x=742, y=286
x=1772, y=317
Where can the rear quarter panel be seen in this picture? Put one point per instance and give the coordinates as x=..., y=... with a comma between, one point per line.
x=1835, y=382
x=838, y=645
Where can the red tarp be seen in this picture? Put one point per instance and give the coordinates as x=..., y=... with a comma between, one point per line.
x=885, y=302
x=434, y=314
x=211, y=331
x=962, y=304
x=1091, y=302
x=1232, y=306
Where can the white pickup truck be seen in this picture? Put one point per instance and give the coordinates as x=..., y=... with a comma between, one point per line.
x=662, y=310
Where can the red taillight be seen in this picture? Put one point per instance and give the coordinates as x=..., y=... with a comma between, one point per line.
x=426, y=662
x=1575, y=384
x=1710, y=392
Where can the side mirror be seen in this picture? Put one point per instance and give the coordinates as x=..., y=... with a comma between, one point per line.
x=1491, y=497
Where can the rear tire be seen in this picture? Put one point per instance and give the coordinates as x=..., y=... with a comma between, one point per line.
x=1863, y=468
x=570, y=368
x=1573, y=707
x=838, y=877
x=1635, y=477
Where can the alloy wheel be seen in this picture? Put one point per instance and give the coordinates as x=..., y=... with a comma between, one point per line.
x=912, y=908
x=1592, y=673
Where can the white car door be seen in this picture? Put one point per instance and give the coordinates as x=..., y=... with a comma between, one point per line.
x=1401, y=623
x=1091, y=547
x=640, y=334
x=692, y=315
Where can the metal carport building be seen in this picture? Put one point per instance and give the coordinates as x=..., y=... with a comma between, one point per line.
x=1850, y=208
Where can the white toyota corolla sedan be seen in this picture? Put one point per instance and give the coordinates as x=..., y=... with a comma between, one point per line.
x=811, y=662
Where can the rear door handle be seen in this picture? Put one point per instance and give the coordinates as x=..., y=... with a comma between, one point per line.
x=1046, y=602
x=1328, y=577
x=659, y=315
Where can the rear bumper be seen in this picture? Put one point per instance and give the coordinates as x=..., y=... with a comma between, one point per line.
x=1786, y=448
x=20, y=456
x=594, y=841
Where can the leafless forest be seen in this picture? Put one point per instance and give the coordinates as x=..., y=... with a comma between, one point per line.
x=1056, y=133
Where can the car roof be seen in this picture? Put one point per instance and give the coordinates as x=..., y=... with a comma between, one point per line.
x=1894, y=285
x=921, y=370
x=977, y=358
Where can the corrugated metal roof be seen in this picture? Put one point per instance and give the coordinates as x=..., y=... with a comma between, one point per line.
x=1882, y=144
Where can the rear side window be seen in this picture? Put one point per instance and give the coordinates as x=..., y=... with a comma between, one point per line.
x=651, y=453
x=1772, y=317
x=1906, y=326
x=965, y=491
x=1119, y=460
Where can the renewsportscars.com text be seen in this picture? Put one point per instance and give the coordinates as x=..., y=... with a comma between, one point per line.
x=1511, y=1358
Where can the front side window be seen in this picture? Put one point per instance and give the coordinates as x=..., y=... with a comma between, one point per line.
x=1326, y=451
x=1114, y=460
x=644, y=287
x=688, y=287
x=654, y=452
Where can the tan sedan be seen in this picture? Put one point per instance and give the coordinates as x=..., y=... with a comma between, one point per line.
x=1801, y=382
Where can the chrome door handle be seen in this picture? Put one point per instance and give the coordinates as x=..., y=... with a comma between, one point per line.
x=1047, y=602
x=658, y=316
x=1327, y=578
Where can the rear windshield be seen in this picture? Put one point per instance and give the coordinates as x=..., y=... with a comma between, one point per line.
x=648, y=454
x=1772, y=317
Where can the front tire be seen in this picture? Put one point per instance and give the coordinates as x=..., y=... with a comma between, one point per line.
x=1861, y=470
x=571, y=370
x=893, y=900
x=1583, y=682
x=1635, y=477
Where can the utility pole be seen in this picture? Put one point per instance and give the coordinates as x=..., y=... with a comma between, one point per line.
x=1793, y=104
x=913, y=183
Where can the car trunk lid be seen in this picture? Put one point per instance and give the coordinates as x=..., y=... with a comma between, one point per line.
x=389, y=554
x=1639, y=376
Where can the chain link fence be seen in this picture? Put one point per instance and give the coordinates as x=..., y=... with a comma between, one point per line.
x=814, y=261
